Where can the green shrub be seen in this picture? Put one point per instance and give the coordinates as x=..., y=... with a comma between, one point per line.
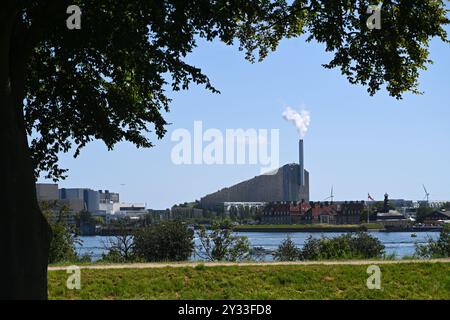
x=62, y=244
x=167, y=241
x=220, y=244
x=112, y=256
x=287, y=251
x=439, y=248
x=347, y=246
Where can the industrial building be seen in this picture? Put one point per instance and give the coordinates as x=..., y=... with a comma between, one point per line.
x=89, y=197
x=288, y=183
x=98, y=203
x=108, y=197
x=47, y=192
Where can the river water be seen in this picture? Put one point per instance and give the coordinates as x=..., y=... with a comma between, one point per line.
x=400, y=243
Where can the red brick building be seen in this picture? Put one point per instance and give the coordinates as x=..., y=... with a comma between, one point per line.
x=313, y=212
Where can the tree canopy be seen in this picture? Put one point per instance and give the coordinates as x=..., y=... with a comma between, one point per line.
x=111, y=79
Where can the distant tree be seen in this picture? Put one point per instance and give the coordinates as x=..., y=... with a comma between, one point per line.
x=84, y=217
x=220, y=244
x=247, y=214
x=287, y=251
x=166, y=241
x=120, y=248
x=372, y=215
x=378, y=206
x=446, y=206
x=99, y=220
x=423, y=213
x=197, y=205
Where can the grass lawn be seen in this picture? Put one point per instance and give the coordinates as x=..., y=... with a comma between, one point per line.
x=398, y=281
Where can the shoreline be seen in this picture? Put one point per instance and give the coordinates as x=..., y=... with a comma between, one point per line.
x=297, y=229
x=333, y=229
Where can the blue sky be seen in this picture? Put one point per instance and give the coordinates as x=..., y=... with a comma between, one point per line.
x=356, y=142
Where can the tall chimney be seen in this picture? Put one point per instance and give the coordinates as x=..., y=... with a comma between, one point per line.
x=301, y=178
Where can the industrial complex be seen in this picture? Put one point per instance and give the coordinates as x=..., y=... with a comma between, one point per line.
x=278, y=197
x=288, y=183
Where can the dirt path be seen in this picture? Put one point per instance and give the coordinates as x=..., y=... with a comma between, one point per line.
x=217, y=264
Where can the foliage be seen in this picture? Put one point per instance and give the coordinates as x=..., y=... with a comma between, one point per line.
x=120, y=249
x=378, y=206
x=372, y=215
x=84, y=217
x=99, y=221
x=423, y=213
x=127, y=54
x=287, y=251
x=257, y=253
x=439, y=248
x=167, y=241
x=219, y=243
x=62, y=246
x=347, y=246
x=64, y=239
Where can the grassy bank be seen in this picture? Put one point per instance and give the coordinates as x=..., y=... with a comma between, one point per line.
x=308, y=227
x=398, y=281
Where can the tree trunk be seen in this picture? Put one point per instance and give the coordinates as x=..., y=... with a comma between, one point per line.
x=24, y=232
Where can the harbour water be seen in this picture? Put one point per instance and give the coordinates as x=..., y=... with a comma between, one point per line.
x=400, y=243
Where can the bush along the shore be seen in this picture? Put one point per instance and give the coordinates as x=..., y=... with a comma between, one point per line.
x=64, y=238
x=439, y=248
x=119, y=249
x=221, y=244
x=167, y=241
x=287, y=251
x=347, y=246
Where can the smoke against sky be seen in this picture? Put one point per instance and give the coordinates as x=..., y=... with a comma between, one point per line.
x=300, y=120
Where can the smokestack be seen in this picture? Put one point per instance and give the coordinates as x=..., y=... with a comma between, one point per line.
x=301, y=178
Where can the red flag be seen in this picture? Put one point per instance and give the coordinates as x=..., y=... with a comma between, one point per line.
x=370, y=197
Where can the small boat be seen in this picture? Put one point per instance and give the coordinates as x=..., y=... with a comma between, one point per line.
x=413, y=235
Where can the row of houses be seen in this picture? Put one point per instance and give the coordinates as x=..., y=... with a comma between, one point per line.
x=312, y=212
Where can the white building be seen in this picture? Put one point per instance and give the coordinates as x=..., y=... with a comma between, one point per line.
x=129, y=209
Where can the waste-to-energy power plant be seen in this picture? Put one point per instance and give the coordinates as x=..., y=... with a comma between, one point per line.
x=289, y=183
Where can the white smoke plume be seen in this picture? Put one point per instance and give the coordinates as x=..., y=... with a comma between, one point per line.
x=300, y=120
